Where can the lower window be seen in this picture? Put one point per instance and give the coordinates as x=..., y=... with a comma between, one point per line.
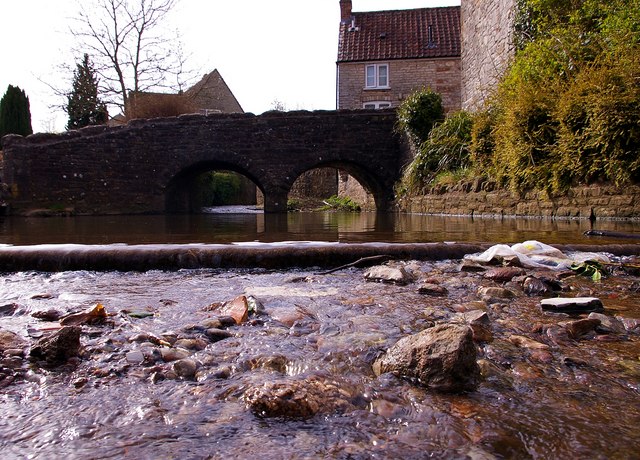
x=377, y=105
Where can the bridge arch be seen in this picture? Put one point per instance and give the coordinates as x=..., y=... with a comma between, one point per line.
x=136, y=168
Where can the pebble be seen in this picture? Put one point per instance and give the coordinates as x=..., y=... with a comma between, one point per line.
x=185, y=368
x=135, y=357
x=526, y=342
x=578, y=328
x=504, y=274
x=173, y=354
x=432, y=289
x=493, y=292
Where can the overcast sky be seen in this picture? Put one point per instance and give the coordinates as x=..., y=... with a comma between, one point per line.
x=282, y=50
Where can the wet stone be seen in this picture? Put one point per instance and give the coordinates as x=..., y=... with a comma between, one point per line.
x=238, y=309
x=526, y=342
x=185, y=368
x=8, y=309
x=572, y=304
x=10, y=340
x=216, y=335
x=495, y=293
x=504, y=274
x=47, y=315
x=387, y=274
x=608, y=324
x=630, y=324
x=300, y=399
x=442, y=358
x=58, y=347
x=534, y=286
x=173, y=354
x=432, y=290
x=581, y=327
x=135, y=357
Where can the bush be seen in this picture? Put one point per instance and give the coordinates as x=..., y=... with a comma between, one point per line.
x=566, y=112
x=445, y=150
x=419, y=112
x=336, y=203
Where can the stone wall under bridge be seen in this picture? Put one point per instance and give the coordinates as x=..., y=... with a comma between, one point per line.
x=149, y=166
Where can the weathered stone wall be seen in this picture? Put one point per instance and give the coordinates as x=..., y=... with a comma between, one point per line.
x=481, y=199
x=487, y=47
x=405, y=76
x=149, y=166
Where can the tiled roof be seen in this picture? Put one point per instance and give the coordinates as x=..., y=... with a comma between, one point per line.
x=401, y=34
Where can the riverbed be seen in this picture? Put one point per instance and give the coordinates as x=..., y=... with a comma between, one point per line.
x=123, y=396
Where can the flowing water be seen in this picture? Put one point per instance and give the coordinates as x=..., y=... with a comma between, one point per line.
x=577, y=399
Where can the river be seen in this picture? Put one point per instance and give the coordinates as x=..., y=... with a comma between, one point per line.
x=121, y=398
x=300, y=226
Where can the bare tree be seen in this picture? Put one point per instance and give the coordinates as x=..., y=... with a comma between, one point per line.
x=131, y=49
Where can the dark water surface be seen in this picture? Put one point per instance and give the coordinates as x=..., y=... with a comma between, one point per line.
x=342, y=227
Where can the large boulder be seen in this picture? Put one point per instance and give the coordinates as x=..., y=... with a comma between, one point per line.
x=441, y=358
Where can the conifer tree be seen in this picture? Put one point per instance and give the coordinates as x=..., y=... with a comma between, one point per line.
x=15, y=115
x=83, y=105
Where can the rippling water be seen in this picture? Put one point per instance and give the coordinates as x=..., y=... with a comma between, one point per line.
x=316, y=326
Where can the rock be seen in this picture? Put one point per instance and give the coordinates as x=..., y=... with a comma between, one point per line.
x=442, y=358
x=535, y=286
x=526, y=342
x=470, y=266
x=558, y=335
x=58, y=347
x=301, y=398
x=432, y=289
x=8, y=309
x=578, y=328
x=480, y=324
x=630, y=324
x=572, y=304
x=135, y=357
x=173, y=354
x=215, y=335
x=608, y=324
x=387, y=274
x=10, y=340
x=191, y=344
x=47, y=315
x=185, y=368
x=495, y=292
x=238, y=309
x=504, y=274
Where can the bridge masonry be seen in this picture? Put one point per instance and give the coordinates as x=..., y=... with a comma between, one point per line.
x=150, y=166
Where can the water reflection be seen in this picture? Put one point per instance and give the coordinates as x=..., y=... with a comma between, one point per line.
x=342, y=227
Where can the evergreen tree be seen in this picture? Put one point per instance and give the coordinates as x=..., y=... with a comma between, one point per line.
x=83, y=105
x=15, y=116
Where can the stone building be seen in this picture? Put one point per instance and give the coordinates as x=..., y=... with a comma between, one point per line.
x=383, y=56
x=487, y=47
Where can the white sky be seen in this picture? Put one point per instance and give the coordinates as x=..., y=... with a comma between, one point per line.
x=281, y=50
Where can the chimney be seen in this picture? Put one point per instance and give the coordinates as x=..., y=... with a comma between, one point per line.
x=345, y=11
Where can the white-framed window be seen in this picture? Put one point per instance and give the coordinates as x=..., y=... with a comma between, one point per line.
x=377, y=76
x=376, y=105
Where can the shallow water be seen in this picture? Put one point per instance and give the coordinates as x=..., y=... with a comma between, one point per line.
x=327, y=327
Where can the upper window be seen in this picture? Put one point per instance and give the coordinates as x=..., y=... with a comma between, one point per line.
x=377, y=105
x=377, y=76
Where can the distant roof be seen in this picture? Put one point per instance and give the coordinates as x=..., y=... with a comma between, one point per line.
x=212, y=93
x=400, y=34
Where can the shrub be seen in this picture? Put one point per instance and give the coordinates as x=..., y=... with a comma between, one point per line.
x=445, y=150
x=336, y=203
x=419, y=112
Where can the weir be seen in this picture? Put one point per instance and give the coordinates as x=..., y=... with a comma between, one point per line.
x=55, y=258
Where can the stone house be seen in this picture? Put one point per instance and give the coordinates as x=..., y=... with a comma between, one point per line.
x=383, y=56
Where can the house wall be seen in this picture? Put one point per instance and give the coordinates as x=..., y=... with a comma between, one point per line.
x=442, y=75
x=487, y=47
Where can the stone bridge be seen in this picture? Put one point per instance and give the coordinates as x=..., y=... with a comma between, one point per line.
x=149, y=166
